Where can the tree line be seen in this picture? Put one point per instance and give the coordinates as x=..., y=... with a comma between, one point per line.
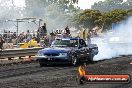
x=57, y=13
x=104, y=13
x=90, y=18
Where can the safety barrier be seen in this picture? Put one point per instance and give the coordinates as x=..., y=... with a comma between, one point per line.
x=11, y=53
x=8, y=46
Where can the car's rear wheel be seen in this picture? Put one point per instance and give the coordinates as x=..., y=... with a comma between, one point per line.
x=90, y=58
x=42, y=64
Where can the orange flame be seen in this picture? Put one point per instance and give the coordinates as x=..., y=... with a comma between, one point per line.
x=81, y=71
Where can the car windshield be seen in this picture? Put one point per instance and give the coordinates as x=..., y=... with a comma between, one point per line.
x=65, y=43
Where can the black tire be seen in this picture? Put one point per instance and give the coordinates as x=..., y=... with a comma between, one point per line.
x=75, y=61
x=81, y=80
x=42, y=64
x=90, y=58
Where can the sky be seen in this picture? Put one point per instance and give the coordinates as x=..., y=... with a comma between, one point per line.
x=86, y=4
x=19, y=3
x=83, y=4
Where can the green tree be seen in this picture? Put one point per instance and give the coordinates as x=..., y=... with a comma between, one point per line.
x=92, y=18
x=88, y=18
x=114, y=16
x=109, y=5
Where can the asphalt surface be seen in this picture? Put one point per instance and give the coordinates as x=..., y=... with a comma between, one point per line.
x=30, y=75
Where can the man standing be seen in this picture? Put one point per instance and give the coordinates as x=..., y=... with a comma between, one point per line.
x=1, y=44
x=52, y=38
x=67, y=30
x=44, y=30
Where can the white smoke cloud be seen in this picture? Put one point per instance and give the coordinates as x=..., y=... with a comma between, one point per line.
x=53, y=15
x=116, y=42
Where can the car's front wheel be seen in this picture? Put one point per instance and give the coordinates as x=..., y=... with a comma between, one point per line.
x=75, y=61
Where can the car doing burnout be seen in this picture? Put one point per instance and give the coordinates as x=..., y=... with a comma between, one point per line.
x=67, y=50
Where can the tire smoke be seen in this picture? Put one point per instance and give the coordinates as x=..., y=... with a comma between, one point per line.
x=116, y=42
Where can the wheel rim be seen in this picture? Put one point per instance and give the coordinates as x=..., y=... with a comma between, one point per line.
x=91, y=58
x=74, y=62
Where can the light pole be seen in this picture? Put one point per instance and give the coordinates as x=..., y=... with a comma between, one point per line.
x=38, y=34
x=40, y=22
x=17, y=32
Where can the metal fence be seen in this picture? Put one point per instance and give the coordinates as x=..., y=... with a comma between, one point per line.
x=10, y=53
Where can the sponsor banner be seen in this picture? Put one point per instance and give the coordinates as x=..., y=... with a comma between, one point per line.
x=107, y=78
x=83, y=77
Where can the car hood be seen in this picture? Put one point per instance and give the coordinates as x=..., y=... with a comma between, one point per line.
x=55, y=50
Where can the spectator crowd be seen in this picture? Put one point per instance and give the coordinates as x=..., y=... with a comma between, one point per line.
x=13, y=37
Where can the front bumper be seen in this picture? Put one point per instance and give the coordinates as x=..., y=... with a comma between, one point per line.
x=52, y=58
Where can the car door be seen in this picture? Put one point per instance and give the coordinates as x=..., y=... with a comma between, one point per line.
x=82, y=48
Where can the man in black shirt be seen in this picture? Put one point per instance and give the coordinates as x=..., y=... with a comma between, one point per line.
x=1, y=44
x=67, y=30
x=44, y=30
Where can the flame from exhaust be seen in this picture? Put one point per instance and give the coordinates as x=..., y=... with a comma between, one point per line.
x=81, y=71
